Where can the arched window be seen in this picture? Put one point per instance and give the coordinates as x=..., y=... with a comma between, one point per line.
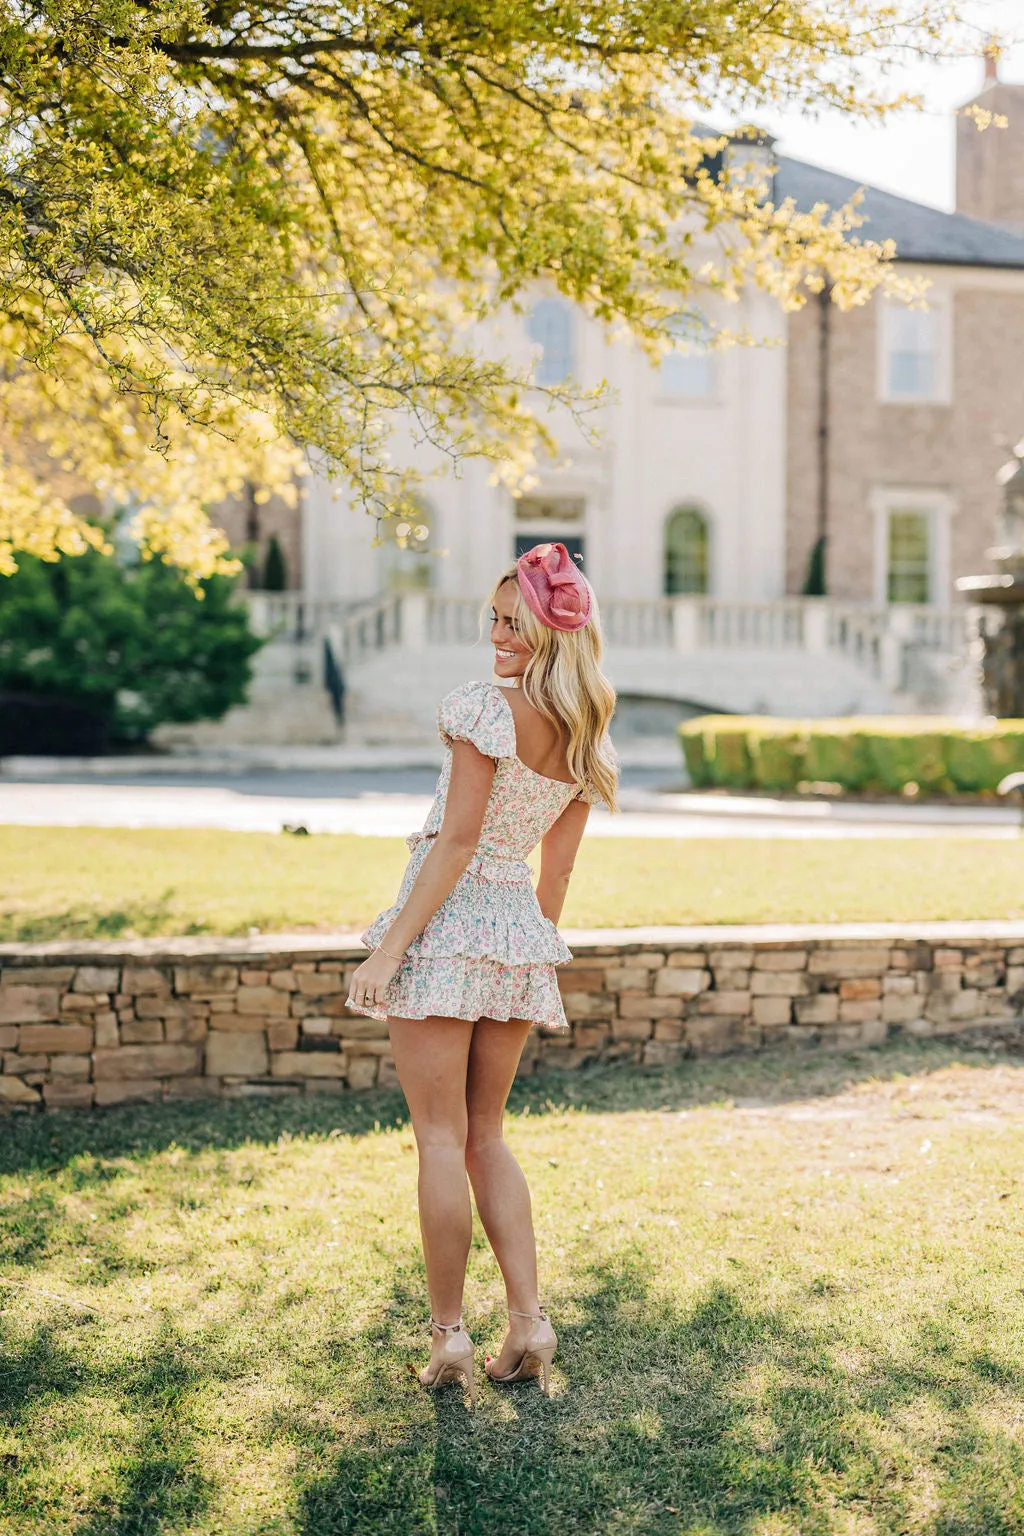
x=549, y=325
x=686, y=552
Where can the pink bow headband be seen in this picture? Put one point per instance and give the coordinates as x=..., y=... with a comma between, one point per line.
x=553, y=587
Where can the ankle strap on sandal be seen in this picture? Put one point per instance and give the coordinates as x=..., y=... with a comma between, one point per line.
x=541, y=1314
x=447, y=1327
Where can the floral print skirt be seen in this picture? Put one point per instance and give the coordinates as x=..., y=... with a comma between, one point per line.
x=488, y=952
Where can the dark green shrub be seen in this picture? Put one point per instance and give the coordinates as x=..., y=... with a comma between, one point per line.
x=275, y=570
x=136, y=645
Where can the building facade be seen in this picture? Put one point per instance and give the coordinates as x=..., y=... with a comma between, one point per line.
x=685, y=491
x=898, y=418
x=718, y=472
x=771, y=528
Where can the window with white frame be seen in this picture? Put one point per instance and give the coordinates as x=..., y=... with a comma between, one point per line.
x=688, y=371
x=914, y=363
x=549, y=325
x=912, y=546
x=908, y=575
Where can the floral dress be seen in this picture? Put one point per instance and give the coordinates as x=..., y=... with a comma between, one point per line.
x=488, y=952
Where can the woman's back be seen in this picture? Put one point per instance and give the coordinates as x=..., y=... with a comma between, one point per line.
x=540, y=743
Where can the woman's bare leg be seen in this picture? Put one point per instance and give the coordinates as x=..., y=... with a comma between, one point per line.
x=431, y=1057
x=502, y=1195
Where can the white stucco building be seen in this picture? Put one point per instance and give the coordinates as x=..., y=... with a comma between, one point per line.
x=719, y=478
x=700, y=439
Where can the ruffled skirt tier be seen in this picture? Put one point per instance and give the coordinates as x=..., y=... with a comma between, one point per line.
x=488, y=952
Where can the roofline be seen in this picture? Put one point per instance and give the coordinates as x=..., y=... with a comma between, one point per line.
x=958, y=261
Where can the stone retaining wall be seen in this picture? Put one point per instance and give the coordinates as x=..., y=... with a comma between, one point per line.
x=182, y=1019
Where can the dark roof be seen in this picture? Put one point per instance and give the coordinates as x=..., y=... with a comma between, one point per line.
x=921, y=233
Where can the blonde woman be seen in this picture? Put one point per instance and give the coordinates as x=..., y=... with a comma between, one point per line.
x=464, y=962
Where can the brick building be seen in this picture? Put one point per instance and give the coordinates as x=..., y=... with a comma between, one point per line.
x=897, y=418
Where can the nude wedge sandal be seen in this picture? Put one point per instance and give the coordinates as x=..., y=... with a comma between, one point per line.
x=456, y=1360
x=537, y=1353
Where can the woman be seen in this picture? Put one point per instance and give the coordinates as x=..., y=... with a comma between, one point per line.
x=464, y=962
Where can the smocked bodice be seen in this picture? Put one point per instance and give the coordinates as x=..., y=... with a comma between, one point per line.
x=523, y=805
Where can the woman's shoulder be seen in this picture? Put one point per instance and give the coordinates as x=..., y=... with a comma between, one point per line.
x=478, y=712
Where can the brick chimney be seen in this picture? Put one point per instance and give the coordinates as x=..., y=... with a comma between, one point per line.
x=990, y=164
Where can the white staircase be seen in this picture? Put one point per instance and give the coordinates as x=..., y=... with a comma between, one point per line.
x=800, y=656
x=398, y=655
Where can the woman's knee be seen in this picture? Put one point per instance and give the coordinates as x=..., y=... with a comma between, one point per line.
x=450, y=1134
x=481, y=1141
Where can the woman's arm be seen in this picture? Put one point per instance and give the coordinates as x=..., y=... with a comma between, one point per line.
x=557, y=856
x=469, y=790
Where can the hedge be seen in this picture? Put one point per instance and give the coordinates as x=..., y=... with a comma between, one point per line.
x=885, y=754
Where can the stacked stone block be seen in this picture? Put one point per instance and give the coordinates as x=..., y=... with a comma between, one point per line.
x=78, y=1029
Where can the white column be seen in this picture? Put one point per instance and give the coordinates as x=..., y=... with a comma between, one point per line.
x=898, y=627
x=413, y=621
x=815, y=625
x=684, y=624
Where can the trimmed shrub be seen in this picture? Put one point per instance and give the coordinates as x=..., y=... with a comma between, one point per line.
x=884, y=753
x=837, y=753
x=727, y=753
x=778, y=759
x=275, y=569
x=696, y=762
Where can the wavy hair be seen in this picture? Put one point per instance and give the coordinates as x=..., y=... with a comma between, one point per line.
x=563, y=679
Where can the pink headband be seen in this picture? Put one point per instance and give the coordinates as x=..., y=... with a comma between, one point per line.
x=553, y=587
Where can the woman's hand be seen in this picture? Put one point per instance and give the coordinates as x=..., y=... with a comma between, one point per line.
x=370, y=980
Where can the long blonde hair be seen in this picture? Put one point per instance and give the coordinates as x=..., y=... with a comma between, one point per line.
x=563, y=679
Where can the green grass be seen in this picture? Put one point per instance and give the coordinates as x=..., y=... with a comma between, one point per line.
x=60, y=882
x=788, y=1293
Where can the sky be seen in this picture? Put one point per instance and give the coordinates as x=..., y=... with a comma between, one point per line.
x=913, y=153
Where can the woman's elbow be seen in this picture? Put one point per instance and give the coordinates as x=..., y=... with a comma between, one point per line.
x=457, y=846
x=558, y=875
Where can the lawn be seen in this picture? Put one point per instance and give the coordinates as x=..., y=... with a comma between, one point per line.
x=60, y=882
x=788, y=1292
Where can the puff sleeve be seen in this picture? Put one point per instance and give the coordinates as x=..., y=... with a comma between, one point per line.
x=477, y=713
x=589, y=794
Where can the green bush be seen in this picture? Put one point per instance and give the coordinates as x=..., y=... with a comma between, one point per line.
x=722, y=757
x=275, y=568
x=837, y=753
x=778, y=759
x=136, y=645
x=884, y=753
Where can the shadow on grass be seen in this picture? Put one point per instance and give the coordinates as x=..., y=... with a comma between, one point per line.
x=152, y=1480
x=709, y=1417
x=142, y=919
x=51, y=1141
x=706, y=1421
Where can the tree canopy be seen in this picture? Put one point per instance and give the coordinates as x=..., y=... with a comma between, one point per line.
x=233, y=235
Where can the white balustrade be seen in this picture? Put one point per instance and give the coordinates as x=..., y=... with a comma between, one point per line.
x=647, y=622
x=455, y=620
x=292, y=614
x=882, y=641
x=774, y=626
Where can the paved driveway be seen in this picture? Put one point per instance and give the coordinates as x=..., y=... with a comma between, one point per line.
x=394, y=802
